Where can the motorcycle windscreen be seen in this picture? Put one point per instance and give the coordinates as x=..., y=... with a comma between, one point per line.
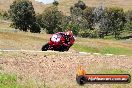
x=55, y=38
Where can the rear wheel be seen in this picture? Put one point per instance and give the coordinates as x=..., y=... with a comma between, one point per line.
x=45, y=47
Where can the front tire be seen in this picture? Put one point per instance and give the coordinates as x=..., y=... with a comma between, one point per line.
x=45, y=47
x=64, y=48
x=61, y=49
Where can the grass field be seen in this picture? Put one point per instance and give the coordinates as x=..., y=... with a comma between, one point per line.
x=58, y=69
x=8, y=81
x=11, y=81
x=117, y=47
x=16, y=40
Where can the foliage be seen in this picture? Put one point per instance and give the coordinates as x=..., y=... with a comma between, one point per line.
x=128, y=25
x=116, y=20
x=101, y=21
x=88, y=15
x=23, y=15
x=76, y=11
x=52, y=19
x=35, y=28
x=80, y=4
x=84, y=21
x=39, y=19
x=84, y=34
x=89, y=33
x=77, y=20
x=129, y=15
x=4, y=15
x=75, y=29
x=56, y=3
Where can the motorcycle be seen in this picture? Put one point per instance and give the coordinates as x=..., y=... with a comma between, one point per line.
x=59, y=42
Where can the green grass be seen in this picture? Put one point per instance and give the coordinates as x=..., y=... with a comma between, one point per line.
x=112, y=71
x=116, y=50
x=1, y=18
x=109, y=37
x=116, y=71
x=8, y=81
x=83, y=48
x=103, y=50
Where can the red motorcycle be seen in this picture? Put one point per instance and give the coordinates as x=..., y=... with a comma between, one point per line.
x=60, y=41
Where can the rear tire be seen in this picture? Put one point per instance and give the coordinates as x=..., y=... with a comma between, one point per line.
x=45, y=47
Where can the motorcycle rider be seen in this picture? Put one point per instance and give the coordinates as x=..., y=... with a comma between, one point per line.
x=60, y=41
x=66, y=39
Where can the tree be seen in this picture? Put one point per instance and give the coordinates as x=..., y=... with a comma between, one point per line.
x=80, y=4
x=76, y=11
x=35, y=28
x=78, y=22
x=100, y=20
x=116, y=20
x=23, y=16
x=129, y=15
x=88, y=15
x=128, y=25
x=52, y=19
x=56, y=3
x=39, y=19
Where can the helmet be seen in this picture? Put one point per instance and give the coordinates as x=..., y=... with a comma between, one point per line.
x=69, y=33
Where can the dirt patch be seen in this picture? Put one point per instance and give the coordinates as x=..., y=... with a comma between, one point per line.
x=59, y=69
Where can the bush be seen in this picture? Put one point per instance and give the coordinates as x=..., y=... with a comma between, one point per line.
x=4, y=15
x=84, y=34
x=75, y=29
x=89, y=33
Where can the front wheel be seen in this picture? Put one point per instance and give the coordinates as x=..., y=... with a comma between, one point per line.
x=63, y=48
x=45, y=47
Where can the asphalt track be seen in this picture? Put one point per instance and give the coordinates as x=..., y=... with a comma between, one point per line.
x=34, y=51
